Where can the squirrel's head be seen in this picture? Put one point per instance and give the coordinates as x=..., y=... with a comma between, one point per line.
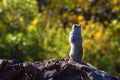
x=76, y=27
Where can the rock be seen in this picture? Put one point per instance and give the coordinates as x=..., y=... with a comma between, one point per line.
x=63, y=69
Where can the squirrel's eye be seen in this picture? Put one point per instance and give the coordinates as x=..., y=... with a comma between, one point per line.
x=75, y=26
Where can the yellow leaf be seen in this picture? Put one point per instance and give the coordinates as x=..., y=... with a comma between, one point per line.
x=33, y=24
x=81, y=18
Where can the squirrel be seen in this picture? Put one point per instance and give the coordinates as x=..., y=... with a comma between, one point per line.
x=75, y=40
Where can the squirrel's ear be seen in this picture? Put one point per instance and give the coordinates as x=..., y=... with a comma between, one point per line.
x=76, y=25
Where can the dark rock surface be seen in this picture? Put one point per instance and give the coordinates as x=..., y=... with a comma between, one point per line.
x=63, y=69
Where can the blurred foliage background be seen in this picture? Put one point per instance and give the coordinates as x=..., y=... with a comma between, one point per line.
x=36, y=30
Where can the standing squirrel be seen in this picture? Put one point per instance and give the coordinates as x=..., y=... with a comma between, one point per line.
x=75, y=40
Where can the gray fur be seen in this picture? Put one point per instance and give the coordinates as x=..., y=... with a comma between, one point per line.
x=75, y=40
